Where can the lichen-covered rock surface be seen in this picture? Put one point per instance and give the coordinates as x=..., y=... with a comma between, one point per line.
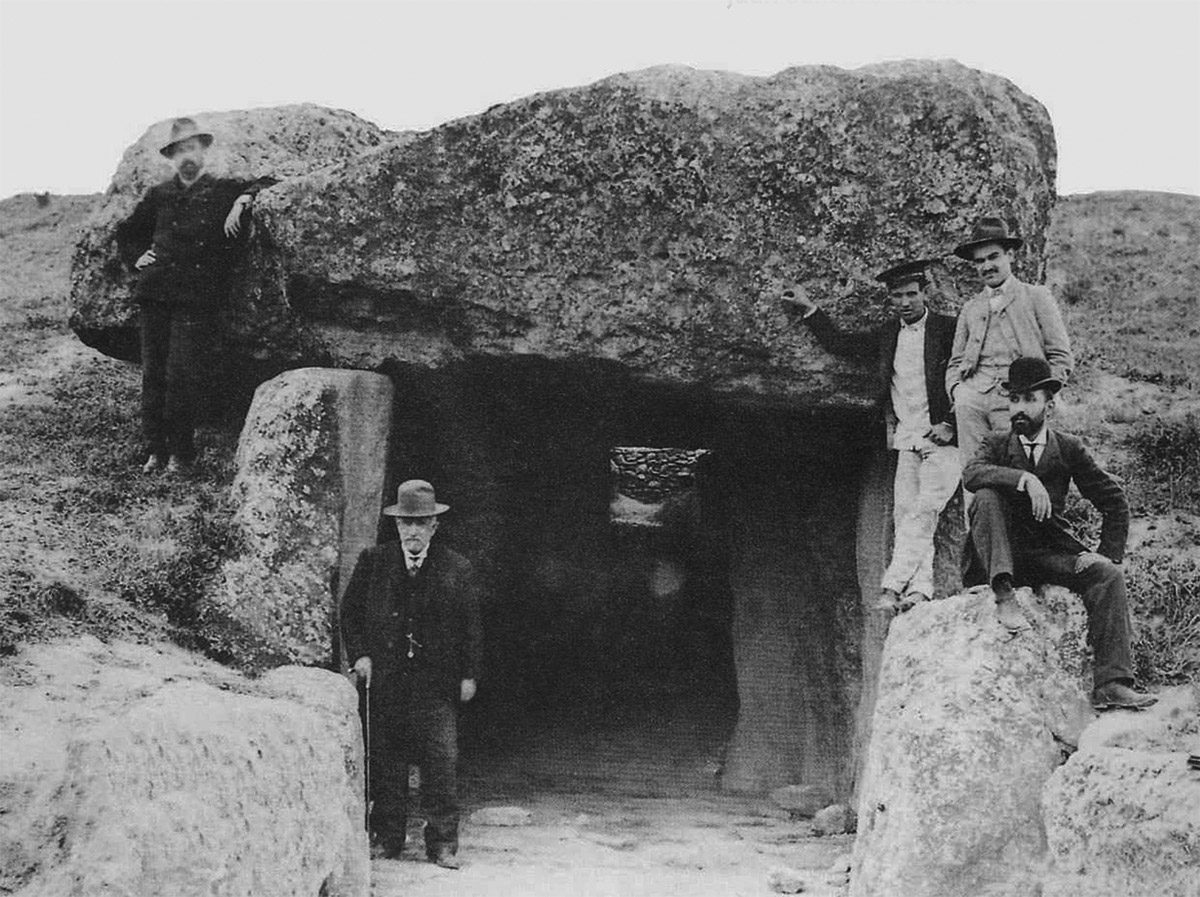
x=646, y=220
x=282, y=142
x=969, y=724
x=131, y=770
x=308, y=490
x=1123, y=814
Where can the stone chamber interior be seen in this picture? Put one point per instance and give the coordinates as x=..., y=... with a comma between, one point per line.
x=718, y=651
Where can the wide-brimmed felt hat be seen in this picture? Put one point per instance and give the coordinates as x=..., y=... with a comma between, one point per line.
x=183, y=129
x=904, y=271
x=1029, y=373
x=415, y=498
x=988, y=230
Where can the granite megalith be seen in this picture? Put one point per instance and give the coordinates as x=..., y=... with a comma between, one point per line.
x=132, y=770
x=1123, y=813
x=311, y=462
x=646, y=220
x=969, y=724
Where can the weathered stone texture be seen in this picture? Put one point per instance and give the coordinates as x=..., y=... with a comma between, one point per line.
x=647, y=220
x=311, y=466
x=969, y=724
x=1123, y=813
x=284, y=142
x=175, y=777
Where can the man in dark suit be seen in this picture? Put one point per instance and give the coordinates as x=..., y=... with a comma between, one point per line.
x=911, y=352
x=1020, y=480
x=410, y=618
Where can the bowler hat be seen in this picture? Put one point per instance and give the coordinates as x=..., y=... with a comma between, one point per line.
x=1029, y=373
x=904, y=271
x=183, y=129
x=988, y=230
x=414, y=498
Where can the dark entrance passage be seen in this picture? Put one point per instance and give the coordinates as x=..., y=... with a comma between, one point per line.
x=645, y=661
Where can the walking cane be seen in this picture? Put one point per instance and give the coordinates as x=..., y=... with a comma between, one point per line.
x=367, y=758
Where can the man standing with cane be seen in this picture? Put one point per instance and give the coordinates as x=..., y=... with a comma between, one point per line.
x=410, y=618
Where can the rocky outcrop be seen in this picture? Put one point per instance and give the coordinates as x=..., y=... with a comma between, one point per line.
x=646, y=220
x=309, y=487
x=130, y=770
x=283, y=142
x=1123, y=814
x=965, y=735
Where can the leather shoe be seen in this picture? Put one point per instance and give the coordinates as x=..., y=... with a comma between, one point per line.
x=445, y=858
x=1008, y=612
x=889, y=600
x=1119, y=696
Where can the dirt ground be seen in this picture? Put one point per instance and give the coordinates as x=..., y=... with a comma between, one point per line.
x=610, y=846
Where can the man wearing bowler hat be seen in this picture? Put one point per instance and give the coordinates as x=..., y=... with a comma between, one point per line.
x=911, y=352
x=1020, y=480
x=1008, y=319
x=181, y=240
x=410, y=619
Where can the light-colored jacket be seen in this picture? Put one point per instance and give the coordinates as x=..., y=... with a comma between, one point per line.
x=1028, y=318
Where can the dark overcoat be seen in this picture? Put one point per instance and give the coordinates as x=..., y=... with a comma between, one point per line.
x=439, y=607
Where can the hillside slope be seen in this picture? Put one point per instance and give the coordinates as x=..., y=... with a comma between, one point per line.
x=88, y=544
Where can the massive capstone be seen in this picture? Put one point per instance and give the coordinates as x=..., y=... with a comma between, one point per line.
x=646, y=220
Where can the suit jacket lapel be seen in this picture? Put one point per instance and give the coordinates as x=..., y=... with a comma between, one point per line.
x=887, y=352
x=1051, y=456
x=1016, y=452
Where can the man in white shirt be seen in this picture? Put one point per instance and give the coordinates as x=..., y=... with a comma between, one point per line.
x=911, y=352
x=1020, y=480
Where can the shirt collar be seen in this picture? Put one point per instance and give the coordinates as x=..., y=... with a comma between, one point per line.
x=418, y=561
x=1039, y=438
x=918, y=324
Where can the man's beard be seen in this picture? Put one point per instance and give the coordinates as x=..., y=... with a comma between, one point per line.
x=1023, y=425
x=189, y=170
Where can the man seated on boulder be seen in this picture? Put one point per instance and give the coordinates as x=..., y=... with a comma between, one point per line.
x=911, y=352
x=1020, y=480
x=410, y=619
x=181, y=240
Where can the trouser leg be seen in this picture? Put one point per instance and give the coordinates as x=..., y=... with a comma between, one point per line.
x=155, y=334
x=921, y=489
x=185, y=376
x=905, y=486
x=437, y=724
x=990, y=532
x=1102, y=588
x=389, y=780
x=977, y=414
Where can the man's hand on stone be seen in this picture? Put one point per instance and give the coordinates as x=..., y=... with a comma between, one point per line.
x=941, y=434
x=362, y=669
x=1085, y=559
x=233, y=221
x=467, y=690
x=1039, y=498
x=146, y=259
x=795, y=299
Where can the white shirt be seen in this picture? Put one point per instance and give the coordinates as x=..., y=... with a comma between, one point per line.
x=910, y=398
x=1038, y=441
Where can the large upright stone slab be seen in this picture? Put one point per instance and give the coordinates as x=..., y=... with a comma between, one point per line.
x=1123, y=814
x=647, y=221
x=969, y=724
x=131, y=770
x=311, y=464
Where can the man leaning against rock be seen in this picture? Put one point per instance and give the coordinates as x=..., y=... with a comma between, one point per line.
x=911, y=351
x=181, y=240
x=1007, y=320
x=1020, y=480
x=410, y=619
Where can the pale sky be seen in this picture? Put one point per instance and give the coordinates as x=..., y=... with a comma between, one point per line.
x=80, y=81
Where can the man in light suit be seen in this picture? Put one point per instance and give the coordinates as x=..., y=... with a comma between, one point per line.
x=1020, y=480
x=911, y=352
x=1008, y=319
